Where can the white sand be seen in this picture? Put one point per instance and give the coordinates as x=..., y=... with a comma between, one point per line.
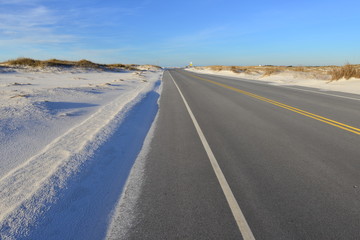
x=291, y=78
x=68, y=141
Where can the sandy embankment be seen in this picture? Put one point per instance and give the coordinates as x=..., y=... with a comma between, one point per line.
x=292, y=78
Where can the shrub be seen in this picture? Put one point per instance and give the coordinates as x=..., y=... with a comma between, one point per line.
x=86, y=64
x=217, y=68
x=271, y=70
x=298, y=69
x=24, y=62
x=57, y=63
x=347, y=71
x=235, y=69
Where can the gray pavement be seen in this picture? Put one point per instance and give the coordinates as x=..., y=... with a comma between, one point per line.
x=293, y=177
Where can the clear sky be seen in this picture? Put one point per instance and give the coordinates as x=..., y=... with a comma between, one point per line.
x=173, y=33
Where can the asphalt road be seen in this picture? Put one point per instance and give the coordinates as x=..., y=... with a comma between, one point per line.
x=290, y=157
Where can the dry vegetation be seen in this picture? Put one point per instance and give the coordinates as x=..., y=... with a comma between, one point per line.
x=335, y=72
x=28, y=62
x=347, y=71
x=123, y=66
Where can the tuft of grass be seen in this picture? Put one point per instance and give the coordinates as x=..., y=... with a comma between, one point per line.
x=21, y=96
x=347, y=71
x=247, y=70
x=57, y=63
x=271, y=70
x=298, y=69
x=24, y=62
x=217, y=68
x=130, y=67
x=234, y=69
x=86, y=64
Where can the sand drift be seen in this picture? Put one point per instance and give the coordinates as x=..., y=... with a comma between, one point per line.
x=69, y=188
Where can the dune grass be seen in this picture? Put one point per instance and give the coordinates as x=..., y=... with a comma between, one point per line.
x=24, y=62
x=123, y=66
x=333, y=72
x=347, y=71
x=29, y=62
x=86, y=64
x=271, y=70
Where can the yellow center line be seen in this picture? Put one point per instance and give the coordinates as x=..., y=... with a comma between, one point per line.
x=288, y=107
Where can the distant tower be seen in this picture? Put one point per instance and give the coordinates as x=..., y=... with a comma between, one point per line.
x=191, y=64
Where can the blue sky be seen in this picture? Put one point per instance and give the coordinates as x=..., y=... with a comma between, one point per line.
x=172, y=33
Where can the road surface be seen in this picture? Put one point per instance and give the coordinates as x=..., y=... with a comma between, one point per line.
x=289, y=157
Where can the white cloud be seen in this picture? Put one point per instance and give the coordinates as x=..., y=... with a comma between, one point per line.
x=49, y=30
x=16, y=2
x=31, y=25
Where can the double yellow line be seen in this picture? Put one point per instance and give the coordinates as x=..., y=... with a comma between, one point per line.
x=290, y=108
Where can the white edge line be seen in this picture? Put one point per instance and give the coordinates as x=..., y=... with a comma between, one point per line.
x=260, y=82
x=234, y=206
x=328, y=94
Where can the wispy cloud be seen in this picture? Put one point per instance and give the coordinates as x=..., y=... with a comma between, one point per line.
x=32, y=25
x=68, y=28
x=14, y=2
